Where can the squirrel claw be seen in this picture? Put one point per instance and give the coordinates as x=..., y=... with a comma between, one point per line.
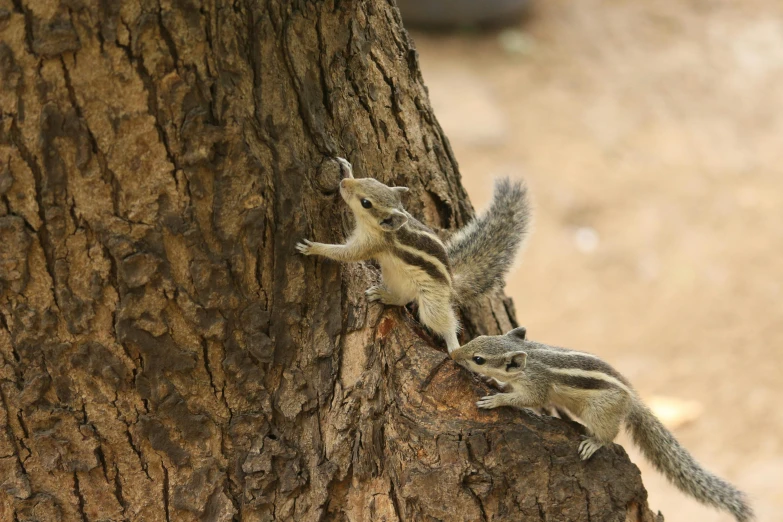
x=588, y=446
x=304, y=246
x=380, y=294
x=487, y=403
x=373, y=293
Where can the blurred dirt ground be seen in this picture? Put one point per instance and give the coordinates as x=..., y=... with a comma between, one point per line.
x=651, y=135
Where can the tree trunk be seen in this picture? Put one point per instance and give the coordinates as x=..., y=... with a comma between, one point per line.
x=166, y=355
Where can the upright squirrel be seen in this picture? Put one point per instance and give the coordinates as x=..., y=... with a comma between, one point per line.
x=535, y=375
x=415, y=264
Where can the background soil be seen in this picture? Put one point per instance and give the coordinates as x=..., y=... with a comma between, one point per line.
x=651, y=134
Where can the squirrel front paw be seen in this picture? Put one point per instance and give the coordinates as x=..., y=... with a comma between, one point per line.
x=490, y=402
x=305, y=247
x=491, y=381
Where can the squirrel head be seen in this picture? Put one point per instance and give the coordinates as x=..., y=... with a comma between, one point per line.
x=374, y=204
x=498, y=356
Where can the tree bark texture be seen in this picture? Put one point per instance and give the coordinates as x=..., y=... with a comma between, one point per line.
x=165, y=353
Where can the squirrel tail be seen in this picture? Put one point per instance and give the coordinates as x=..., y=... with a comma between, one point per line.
x=482, y=252
x=670, y=458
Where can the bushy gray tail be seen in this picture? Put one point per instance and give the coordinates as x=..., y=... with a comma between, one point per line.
x=482, y=252
x=665, y=453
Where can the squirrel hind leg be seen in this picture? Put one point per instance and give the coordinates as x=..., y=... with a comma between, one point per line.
x=438, y=315
x=603, y=423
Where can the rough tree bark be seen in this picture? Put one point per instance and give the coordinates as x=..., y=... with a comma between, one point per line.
x=165, y=354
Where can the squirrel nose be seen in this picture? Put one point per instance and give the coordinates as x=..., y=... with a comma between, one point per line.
x=346, y=170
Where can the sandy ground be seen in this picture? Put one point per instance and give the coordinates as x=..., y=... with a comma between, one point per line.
x=651, y=135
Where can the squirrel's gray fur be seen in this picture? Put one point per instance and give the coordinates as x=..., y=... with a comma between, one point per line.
x=415, y=264
x=482, y=252
x=535, y=375
x=670, y=458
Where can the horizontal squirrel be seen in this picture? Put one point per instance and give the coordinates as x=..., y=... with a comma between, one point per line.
x=535, y=375
x=415, y=264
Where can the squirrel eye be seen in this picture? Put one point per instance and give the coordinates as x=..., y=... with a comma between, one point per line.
x=479, y=360
x=366, y=203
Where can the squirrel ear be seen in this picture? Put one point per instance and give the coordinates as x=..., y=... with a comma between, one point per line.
x=394, y=220
x=519, y=333
x=516, y=360
x=400, y=190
